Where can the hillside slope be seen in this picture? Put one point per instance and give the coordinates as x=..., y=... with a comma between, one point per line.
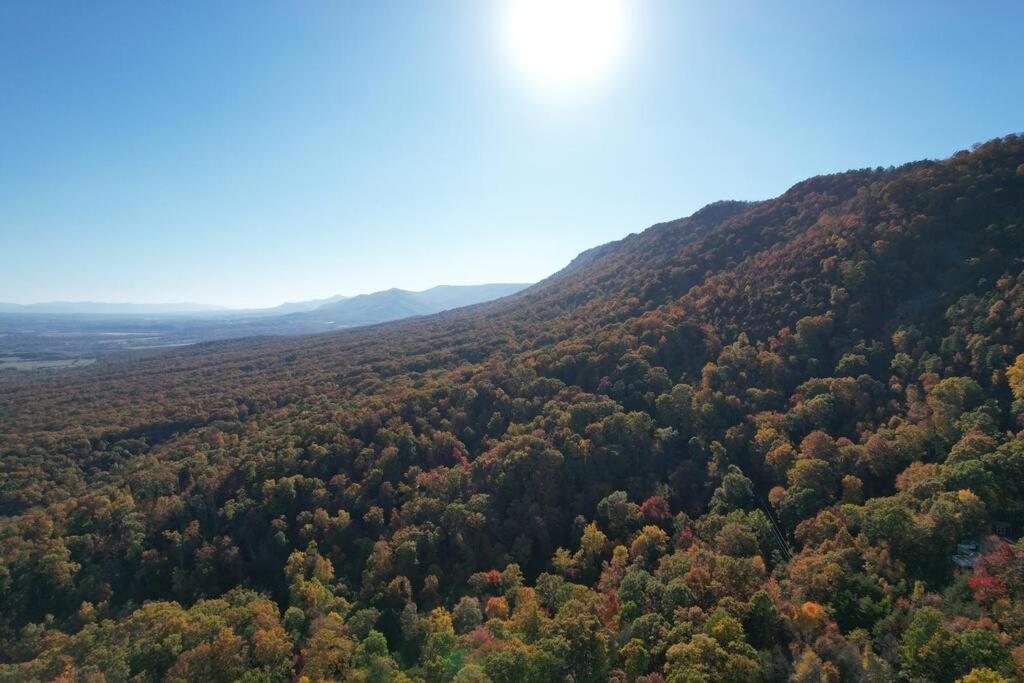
x=746, y=445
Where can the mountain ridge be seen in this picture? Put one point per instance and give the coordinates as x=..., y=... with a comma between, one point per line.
x=430, y=298
x=74, y=337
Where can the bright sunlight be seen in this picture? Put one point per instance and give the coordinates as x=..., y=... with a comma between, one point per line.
x=565, y=45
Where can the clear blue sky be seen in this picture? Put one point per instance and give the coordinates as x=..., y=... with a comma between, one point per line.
x=246, y=153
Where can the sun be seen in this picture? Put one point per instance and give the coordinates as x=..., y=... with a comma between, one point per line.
x=564, y=46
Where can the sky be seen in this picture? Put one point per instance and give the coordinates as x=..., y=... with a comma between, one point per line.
x=249, y=153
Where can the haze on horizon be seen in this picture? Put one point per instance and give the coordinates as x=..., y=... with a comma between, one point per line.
x=245, y=156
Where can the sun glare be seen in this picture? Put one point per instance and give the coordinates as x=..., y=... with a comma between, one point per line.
x=564, y=45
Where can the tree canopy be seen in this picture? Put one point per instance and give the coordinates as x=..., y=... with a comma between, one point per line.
x=778, y=440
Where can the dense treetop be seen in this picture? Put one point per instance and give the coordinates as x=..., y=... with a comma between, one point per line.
x=771, y=441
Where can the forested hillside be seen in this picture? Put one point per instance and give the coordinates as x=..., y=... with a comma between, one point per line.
x=771, y=441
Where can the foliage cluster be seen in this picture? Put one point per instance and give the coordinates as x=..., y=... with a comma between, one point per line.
x=742, y=446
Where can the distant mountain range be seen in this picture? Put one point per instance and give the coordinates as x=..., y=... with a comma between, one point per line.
x=290, y=307
x=340, y=310
x=90, y=329
x=95, y=308
x=393, y=304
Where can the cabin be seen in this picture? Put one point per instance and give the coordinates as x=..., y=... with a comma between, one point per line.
x=967, y=554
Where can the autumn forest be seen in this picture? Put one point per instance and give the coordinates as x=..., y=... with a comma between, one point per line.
x=775, y=440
